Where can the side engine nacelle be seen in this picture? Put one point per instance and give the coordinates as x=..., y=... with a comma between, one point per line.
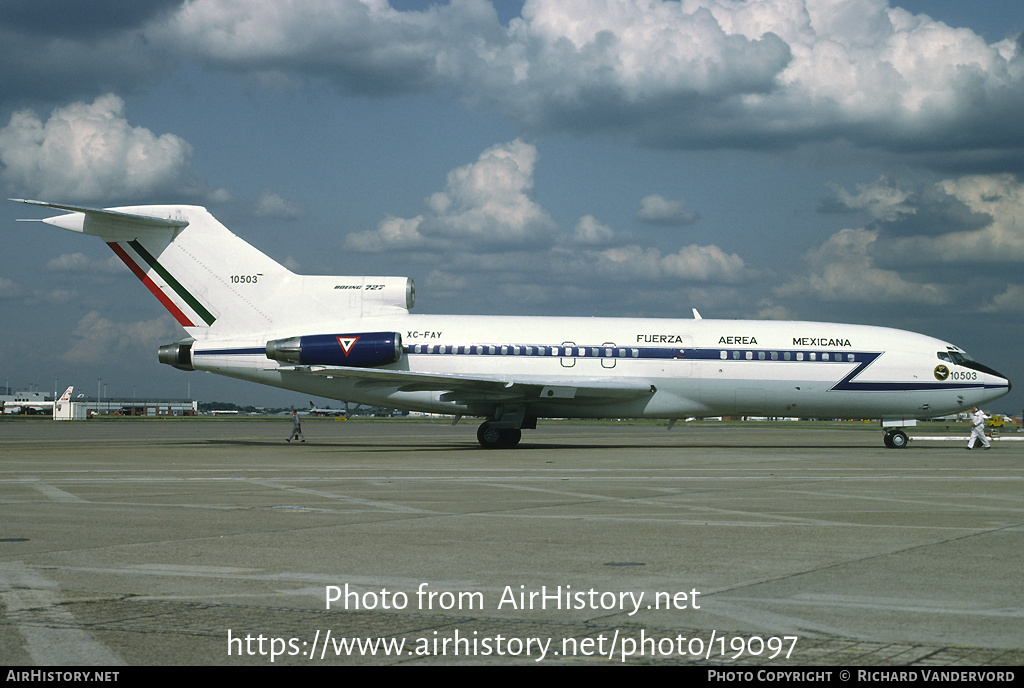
x=359, y=349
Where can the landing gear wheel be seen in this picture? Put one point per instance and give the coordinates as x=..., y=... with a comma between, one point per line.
x=491, y=437
x=488, y=436
x=896, y=439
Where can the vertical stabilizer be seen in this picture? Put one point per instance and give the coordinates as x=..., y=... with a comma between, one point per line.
x=214, y=283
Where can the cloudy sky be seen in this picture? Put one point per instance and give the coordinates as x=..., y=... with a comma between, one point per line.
x=841, y=160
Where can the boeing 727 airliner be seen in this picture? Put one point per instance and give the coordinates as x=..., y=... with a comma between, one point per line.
x=354, y=339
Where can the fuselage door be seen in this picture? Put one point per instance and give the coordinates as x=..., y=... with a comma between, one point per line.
x=608, y=355
x=568, y=354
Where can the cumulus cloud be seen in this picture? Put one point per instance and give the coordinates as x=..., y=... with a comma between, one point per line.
x=986, y=225
x=90, y=152
x=392, y=233
x=218, y=196
x=492, y=198
x=486, y=226
x=704, y=264
x=705, y=72
x=928, y=209
x=656, y=210
x=97, y=338
x=584, y=62
x=881, y=200
x=9, y=289
x=692, y=74
x=445, y=285
x=918, y=242
x=80, y=263
x=842, y=270
x=274, y=205
x=690, y=264
x=590, y=232
x=363, y=46
x=1010, y=301
x=487, y=202
x=770, y=311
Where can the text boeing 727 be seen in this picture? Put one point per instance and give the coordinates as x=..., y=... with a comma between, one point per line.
x=353, y=339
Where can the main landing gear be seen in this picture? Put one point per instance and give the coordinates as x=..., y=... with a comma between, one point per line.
x=896, y=439
x=492, y=437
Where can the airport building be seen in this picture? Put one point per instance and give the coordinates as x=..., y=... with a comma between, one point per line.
x=78, y=409
x=39, y=403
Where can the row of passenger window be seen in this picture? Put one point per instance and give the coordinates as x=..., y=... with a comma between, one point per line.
x=784, y=356
x=524, y=350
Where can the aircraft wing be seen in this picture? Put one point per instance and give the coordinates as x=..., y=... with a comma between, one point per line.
x=469, y=388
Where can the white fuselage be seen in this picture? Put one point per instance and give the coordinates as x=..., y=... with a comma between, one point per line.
x=690, y=367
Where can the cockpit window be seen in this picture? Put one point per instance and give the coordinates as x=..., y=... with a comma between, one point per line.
x=958, y=357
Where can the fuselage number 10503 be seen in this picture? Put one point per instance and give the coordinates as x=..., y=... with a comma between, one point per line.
x=246, y=279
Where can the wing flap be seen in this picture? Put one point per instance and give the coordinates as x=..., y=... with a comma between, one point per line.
x=463, y=388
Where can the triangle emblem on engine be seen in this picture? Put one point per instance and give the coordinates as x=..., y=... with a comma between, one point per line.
x=347, y=343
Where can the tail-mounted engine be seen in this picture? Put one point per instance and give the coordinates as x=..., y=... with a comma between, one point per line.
x=360, y=349
x=178, y=354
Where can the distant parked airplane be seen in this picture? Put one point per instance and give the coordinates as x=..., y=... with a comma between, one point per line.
x=26, y=403
x=325, y=411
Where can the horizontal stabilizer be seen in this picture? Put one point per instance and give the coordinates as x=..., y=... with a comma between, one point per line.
x=101, y=221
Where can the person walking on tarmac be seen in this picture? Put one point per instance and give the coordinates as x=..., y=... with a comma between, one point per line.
x=978, y=419
x=296, y=428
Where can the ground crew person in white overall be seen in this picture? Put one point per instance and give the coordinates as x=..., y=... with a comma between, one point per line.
x=978, y=419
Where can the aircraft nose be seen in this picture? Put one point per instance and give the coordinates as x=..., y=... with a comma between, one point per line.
x=998, y=377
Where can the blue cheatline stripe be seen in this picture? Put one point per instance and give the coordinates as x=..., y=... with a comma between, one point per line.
x=242, y=351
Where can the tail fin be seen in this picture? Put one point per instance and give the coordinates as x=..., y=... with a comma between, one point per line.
x=213, y=282
x=67, y=394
